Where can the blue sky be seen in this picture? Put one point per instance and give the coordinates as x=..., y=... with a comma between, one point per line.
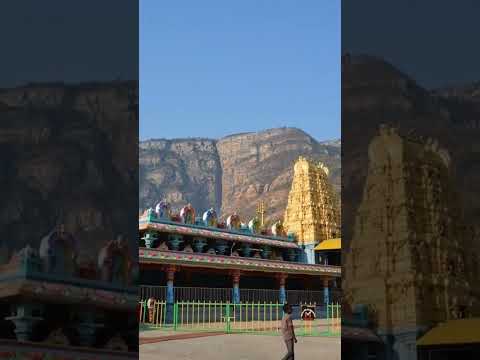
x=211, y=68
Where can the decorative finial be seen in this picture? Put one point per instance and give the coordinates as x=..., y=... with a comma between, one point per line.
x=261, y=212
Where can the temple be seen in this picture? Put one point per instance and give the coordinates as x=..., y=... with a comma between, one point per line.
x=410, y=223
x=188, y=257
x=52, y=301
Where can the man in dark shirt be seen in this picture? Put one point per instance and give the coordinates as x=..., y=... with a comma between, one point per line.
x=288, y=332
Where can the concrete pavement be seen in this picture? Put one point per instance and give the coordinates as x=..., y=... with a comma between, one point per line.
x=238, y=347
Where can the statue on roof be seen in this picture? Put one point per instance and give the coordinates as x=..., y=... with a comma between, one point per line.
x=254, y=225
x=233, y=222
x=210, y=217
x=163, y=209
x=187, y=214
x=58, y=249
x=278, y=229
x=114, y=261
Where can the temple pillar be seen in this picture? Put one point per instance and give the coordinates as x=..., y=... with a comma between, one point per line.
x=236, y=287
x=326, y=291
x=170, y=270
x=282, y=296
x=25, y=319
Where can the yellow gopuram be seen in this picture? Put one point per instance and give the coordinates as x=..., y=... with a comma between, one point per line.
x=312, y=212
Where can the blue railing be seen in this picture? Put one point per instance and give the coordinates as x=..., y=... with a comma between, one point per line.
x=246, y=295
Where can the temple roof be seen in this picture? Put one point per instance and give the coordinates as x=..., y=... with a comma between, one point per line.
x=233, y=262
x=210, y=232
x=462, y=331
x=329, y=244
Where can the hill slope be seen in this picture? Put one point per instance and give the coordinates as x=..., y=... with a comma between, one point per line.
x=230, y=174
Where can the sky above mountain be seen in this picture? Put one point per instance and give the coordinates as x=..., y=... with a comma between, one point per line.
x=214, y=68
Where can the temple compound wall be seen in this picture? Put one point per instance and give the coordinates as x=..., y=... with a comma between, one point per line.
x=408, y=259
x=312, y=212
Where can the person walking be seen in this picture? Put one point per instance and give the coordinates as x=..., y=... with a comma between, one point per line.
x=288, y=332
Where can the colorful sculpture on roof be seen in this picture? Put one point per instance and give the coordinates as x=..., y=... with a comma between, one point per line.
x=187, y=214
x=210, y=217
x=233, y=222
x=163, y=210
x=58, y=250
x=114, y=261
x=254, y=225
x=278, y=229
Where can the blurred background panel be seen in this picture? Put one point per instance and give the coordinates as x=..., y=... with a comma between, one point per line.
x=410, y=110
x=69, y=175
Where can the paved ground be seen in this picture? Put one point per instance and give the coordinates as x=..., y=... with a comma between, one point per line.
x=236, y=347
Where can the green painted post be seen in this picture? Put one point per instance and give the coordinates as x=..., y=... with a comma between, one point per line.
x=145, y=312
x=175, y=316
x=227, y=317
x=328, y=319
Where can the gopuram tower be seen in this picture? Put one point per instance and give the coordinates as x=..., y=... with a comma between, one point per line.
x=312, y=210
x=407, y=260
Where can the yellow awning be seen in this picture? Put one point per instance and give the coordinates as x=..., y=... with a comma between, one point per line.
x=463, y=331
x=329, y=244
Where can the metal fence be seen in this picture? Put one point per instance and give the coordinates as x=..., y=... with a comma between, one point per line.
x=259, y=318
x=155, y=315
x=246, y=295
x=156, y=292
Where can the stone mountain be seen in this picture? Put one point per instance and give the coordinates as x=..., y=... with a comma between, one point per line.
x=231, y=174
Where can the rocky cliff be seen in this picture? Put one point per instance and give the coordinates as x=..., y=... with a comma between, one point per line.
x=233, y=173
x=68, y=154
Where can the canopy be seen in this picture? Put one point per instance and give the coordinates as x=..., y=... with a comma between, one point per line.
x=329, y=244
x=463, y=331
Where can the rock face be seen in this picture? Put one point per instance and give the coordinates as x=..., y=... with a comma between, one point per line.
x=69, y=154
x=230, y=174
x=184, y=170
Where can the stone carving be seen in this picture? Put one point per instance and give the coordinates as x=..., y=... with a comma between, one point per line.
x=312, y=212
x=188, y=248
x=57, y=337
